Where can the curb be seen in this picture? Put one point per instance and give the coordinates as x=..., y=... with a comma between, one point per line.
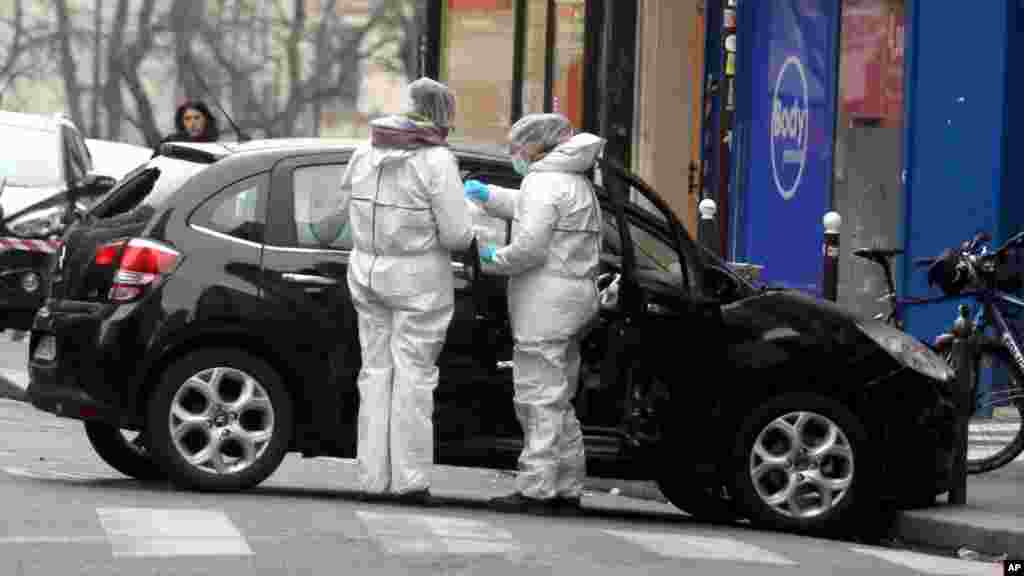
x=941, y=526
x=956, y=527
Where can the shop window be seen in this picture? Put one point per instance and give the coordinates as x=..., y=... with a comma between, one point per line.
x=534, y=58
x=479, y=50
x=868, y=175
x=567, y=93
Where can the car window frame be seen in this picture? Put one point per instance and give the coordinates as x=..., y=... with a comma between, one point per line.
x=670, y=228
x=200, y=217
x=83, y=149
x=280, y=227
x=72, y=156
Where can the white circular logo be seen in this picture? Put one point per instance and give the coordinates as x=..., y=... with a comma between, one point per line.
x=790, y=126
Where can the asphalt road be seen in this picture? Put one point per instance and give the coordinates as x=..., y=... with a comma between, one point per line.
x=66, y=512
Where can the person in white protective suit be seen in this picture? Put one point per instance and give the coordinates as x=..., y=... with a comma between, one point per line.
x=552, y=262
x=407, y=213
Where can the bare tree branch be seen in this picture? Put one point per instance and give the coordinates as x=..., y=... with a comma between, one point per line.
x=133, y=56
x=97, y=69
x=112, y=97
x=69, y=69
x=14, y=52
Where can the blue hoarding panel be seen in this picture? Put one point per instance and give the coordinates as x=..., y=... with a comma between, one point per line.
x=956, y=100
x=789, y=137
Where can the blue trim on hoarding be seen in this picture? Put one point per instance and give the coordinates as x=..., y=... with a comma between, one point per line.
x=910, y=71
x=746, y=17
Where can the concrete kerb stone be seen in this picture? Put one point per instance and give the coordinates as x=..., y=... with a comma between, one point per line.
x=955, y=527
x=941, y=527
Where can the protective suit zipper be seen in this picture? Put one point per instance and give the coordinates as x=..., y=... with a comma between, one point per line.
x=373, y=224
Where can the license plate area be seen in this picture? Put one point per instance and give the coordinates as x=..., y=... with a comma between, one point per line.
x=46, y=349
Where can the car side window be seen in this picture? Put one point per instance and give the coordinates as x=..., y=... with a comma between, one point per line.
x=239, y=210
x=320, y=207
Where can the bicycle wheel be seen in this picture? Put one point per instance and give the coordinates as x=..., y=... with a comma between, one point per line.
x=995, y=434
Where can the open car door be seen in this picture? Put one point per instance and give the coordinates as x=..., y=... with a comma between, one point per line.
x=473, y=407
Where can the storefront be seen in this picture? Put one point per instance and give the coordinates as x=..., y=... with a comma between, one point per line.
x=895, y=113
x=629, y=71
x=507, y=58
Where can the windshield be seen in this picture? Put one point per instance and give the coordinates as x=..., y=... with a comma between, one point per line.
x=29, y=157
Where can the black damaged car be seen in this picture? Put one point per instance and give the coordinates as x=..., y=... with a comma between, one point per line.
x=202, y=308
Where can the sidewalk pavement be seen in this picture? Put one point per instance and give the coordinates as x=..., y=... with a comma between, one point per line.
x=991, y=523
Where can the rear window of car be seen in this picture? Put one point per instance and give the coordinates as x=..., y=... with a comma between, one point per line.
x=149, y=185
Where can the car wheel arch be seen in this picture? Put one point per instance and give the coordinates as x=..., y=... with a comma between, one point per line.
x=243, y=341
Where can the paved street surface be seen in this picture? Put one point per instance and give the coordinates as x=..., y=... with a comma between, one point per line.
x=66, y=512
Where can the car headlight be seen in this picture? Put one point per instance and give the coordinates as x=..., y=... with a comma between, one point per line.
x=43, y=222
x=909, y=351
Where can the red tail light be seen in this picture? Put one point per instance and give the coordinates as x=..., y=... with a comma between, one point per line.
x=107, y=254
x=142, y=263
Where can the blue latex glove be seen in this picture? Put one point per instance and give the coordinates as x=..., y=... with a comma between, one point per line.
x=487, y=253
x=476, y=190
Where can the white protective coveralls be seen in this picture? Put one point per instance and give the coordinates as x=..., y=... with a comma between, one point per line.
x=407, y=214
x=553, y=262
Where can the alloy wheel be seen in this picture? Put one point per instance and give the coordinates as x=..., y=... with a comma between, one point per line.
x=221, y=420
x=801, y=465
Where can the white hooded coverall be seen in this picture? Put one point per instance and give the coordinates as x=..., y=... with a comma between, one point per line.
x=553, y=263
x=407, y=215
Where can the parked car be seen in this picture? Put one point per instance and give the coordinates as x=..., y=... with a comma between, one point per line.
x=117, y=158
x=45, y=171
x=204, y=303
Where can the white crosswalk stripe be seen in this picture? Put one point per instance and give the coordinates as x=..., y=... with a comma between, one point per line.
x=700, y=547
x=147, y=532
x=185, y=532
x=936, y=565
x=54, y=474
x=427, y=534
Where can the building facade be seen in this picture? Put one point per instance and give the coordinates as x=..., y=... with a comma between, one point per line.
x=894, y=113
x=627, y=70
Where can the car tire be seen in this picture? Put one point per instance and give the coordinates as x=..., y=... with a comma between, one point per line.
x=126, y=456
x=849, y=462
x=233, y=439
x=703, y=503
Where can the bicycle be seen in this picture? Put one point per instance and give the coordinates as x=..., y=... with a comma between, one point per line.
x=996, y=434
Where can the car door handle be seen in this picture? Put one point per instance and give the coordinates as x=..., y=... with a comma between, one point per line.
x=309, y=279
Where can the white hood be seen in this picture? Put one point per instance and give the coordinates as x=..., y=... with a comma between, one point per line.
x=577, y=154
x=14, y=199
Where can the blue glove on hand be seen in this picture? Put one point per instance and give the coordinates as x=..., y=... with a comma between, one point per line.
x=487, y=253
x=476, y=190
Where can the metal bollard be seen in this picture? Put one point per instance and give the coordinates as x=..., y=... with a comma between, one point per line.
x=963, y=351
x=830, y=252
x=708, y=230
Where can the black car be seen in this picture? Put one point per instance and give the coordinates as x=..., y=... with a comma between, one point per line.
x=45, y=170
x=204, y=303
